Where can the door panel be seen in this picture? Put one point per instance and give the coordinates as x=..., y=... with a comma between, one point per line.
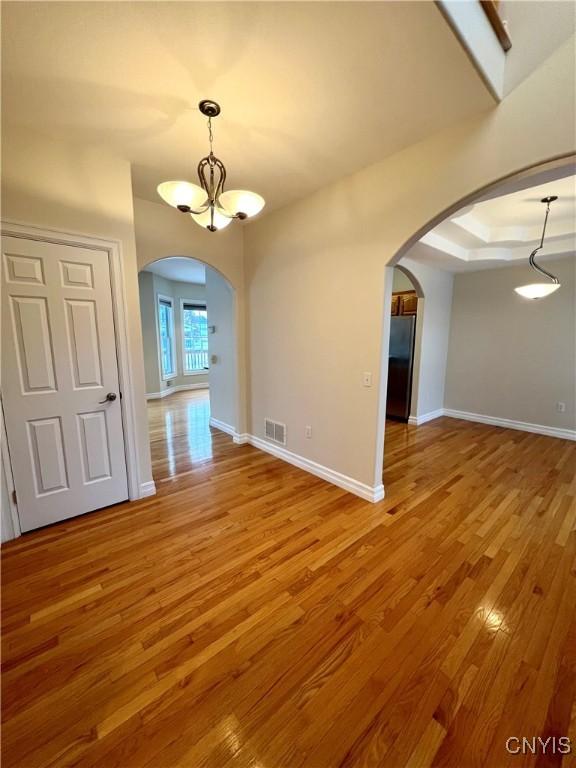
x=83, y=340
x=95, y=446
x=47, y=455
x=35, y=359
x=23, y=269
x=59, y=362
x=76, y=275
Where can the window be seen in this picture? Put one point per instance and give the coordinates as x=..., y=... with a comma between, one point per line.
x=166, y=337
x=194, y=337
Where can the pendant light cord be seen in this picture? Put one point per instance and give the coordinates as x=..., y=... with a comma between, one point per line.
x=532, y=261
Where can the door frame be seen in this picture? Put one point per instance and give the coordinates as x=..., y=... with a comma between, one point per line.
x=12, y=514
x=113, y=249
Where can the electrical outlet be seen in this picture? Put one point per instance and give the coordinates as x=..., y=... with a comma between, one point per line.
x=308, y=432
x=367, y=379
x=561, y=407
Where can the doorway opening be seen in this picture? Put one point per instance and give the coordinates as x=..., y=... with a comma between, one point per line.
x=402, y=346
x=190, y=361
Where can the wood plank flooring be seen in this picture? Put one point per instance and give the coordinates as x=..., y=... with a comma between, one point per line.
x=253, y=615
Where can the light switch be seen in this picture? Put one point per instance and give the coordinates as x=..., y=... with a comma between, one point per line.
x=367, y=379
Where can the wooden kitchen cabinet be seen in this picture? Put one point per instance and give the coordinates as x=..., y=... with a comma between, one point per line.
x=404, y=303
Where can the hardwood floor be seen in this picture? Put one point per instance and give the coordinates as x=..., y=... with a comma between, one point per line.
x=253, y=615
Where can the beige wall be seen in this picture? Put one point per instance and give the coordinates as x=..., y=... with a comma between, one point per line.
x=402, y=282
x=310, y=262
x=82, y=190
x=223, y=377
x=151, y=286
x=163, y=231
x=510, y=357
x=149, y=335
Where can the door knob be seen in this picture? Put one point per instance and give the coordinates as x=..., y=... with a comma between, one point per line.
x=110, y=397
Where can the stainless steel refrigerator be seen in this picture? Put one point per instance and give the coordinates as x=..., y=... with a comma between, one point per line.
x=400, y=362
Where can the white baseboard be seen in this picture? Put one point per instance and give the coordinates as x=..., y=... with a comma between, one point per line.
x=241, y=439
x=222, y=426
x=177, y=388
x=523, y=426
x=147, y=489
x=417, y=420
x=367, y=492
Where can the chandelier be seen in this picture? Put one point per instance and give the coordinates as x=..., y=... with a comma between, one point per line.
x=539, y=290
x=209, y=204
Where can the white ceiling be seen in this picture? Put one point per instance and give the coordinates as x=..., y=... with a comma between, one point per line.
x=310, y=91
x=180, y=268
x=503, y=230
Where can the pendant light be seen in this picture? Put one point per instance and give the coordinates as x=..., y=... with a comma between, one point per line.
x=208, y=204
x=539, y=290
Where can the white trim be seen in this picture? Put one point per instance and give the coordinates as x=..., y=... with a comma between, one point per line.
x=119, y=303
x=222, y=426
x=523, y=426
x=417, y=420
x=373, y=494
x=495, y=421
x=199, y=304
x=476, y=35
x=177, y=388
x=10, y=488
x=241, y=439
x=147, y=489
x=160, y=297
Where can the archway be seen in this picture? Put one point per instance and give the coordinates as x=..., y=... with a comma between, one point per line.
x=532, y=177
x=189, y=329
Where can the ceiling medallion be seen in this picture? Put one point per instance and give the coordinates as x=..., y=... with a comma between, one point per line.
x=539, y=290
x=208, y=203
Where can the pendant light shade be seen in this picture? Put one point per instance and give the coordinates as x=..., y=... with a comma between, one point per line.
x=208, y=204
x=242, y=202
x=537, y=290
x=540, y=290
x=182, y=194
x=205, y=220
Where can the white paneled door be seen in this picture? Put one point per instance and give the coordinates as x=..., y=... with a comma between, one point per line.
x=60, y=381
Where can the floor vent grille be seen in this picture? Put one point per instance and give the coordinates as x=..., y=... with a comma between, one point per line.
x=275, y=431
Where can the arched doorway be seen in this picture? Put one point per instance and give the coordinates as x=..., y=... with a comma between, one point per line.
x=439, y=330
x=188, y=317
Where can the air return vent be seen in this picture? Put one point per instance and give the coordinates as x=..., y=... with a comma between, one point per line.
x=275, y=431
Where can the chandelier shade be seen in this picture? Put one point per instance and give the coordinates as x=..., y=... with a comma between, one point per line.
x=239, y=201
x=540, y=290
x=182, y=193
x=537, y=290
x=208, y=204
x=220, y=221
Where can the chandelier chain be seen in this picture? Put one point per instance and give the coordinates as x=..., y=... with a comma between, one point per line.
x=210, y=134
